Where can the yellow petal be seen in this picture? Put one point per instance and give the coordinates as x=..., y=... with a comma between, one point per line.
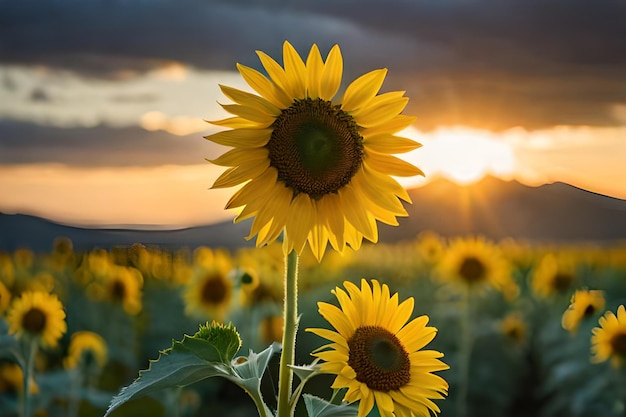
x=387, y=143
x=356, y=214
x=249, y=113
x=398, y=123
x=254, y=190
x=242, y=138
x=378, y=195
x=330, y=207
x=299, y=221
x=390, y=164
x=331, y=76
x=295, y=71
x=380, y=113
x=242, y=173
x=384, y=183
x=264, y=87
x=241, y=156
x=275, y=71
x=362, y=90
x=251, y=100
x=234, y=123
x=314, y=68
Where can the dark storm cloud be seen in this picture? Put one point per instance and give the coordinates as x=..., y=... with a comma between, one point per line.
x=22, y=143
x=494, y=64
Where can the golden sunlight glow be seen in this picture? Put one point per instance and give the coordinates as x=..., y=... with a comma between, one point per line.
x=171, y=71
x=162, y=195
x=177, y=125
x=461, y=154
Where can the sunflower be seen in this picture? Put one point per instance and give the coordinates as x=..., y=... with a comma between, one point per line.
x=477, y=264
x=209, y=293
x=12, y=379
x=609, y=340
x=584, y=304
x=38, y=315
x=316, y=167
x=513, y=328
x=376, y=354
x=554, y=274
x=430, y=246
x=86, y=346
x=119, y=285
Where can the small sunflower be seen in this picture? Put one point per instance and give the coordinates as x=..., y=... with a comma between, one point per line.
x=584, y=304
x=377, y=355
x=209, y=293
x=609, y=340
x=430, y=246
x=477, y=264
x=12, y=379
x=119, y=285
x=38, y=315
x=316, y=168
x=86, y=346
x=514, y=328
x=554, y=274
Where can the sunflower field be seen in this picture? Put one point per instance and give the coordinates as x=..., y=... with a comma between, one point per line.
x=525, y=328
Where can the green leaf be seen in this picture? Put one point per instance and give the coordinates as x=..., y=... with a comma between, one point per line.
x=206, y=354
x=175, y=367
x=318, y=407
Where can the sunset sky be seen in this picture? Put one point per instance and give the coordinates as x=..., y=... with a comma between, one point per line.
x=102, y=102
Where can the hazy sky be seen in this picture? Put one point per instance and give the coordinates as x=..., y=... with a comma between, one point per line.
x=102, y=102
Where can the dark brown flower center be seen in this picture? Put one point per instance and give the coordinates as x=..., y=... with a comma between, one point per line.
x=562, y=281
x=214, y=290
x=34, y=321
x=618, y=343
x=315, y=147
x=589, y=311
x=118, y=290
x=472, y=270
x=379, y=359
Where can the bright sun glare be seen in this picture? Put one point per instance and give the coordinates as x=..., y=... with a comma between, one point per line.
x=461, y=154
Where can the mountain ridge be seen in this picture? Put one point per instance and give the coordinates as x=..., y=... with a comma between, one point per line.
x=491, y=207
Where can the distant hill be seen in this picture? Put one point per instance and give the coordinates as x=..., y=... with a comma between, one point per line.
x=500, y=209
x=491, y=207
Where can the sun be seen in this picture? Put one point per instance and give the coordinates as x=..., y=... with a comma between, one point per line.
x=461, y=154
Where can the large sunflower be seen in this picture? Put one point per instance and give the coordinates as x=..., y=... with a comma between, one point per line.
x=609, y=340
x=377, y=355
x=38, y=315
x=316, y=167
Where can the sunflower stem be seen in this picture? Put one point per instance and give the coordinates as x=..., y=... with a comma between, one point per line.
x=465, y=352
x=290, y=315
x=29, y=365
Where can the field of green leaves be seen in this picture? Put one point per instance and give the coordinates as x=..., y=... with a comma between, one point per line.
x=514, y=319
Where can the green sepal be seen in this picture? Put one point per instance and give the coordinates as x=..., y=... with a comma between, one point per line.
x=318, y=407
x=306, y=372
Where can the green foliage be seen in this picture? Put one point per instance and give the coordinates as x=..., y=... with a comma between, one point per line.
x=208, y=353
x=318, y=407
